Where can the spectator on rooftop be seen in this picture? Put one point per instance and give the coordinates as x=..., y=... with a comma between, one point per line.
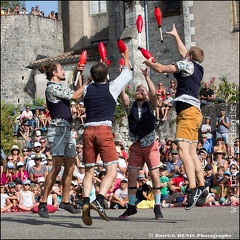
x=51, y=15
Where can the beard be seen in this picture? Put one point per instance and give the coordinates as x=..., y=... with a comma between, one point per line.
x=63, y=78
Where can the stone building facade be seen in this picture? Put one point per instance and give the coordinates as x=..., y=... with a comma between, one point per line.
x=25, y=38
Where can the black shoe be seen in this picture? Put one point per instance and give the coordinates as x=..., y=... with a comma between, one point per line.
x=100, y=209
x=69, y=207
x=203, y=196
x=130, y=211
x=157, y=211
x=193, y=196
x=42, y=210
x=86, y=214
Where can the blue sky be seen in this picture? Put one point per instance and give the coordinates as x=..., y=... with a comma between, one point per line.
x=46, y=6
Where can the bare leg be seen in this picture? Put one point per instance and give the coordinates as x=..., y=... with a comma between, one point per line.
x=51, y=177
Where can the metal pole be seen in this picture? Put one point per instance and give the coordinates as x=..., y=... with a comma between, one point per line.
x=146, y=27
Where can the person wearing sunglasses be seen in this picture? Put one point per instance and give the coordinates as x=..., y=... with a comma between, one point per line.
x=27, y=200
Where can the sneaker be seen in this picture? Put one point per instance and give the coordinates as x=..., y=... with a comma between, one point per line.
x=203, y=196
x=69, y=207
x=130, y=211
x=166, y=205
x=157, y=211
x=86, y=214
x=100, y=209
x=42, y=210
x=193, y=196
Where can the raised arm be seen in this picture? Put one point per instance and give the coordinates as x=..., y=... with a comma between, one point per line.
x=125, y=98
x=180, y=46
x=151, y=88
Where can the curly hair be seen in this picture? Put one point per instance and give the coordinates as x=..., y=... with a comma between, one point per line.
x=48, y=69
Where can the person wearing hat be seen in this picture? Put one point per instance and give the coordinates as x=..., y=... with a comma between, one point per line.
x=9, y=174
x=120, y=196
x=222, y=128
x=209, y=177
x=37, y=150
x=21, y=172
x=27, y=200
x=164, y=180
x=37, y=170
x=173, y=166
x=62, y=146
x=38, y=136
x=6, y=204
x=15, y=151
x=189, y=74
x=145, y=146
x=206, y=128
x=203, y=157
x=220, y=160
x=206, y=144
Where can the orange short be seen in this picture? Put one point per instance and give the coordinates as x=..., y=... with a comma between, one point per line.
x=188, y=123
x=139, y=155
x=98, y=139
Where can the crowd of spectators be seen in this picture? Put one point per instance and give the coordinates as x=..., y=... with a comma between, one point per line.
x=23, y=173
x=34, y=11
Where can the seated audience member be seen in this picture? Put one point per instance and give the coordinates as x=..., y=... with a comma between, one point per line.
x=161, y=91
x=219, y=159
x=206, y=94
x=206, y=144
x=220, y=145
x=121, y=168
x=208, y=177
x=142, y=188
x=6, y=204
x=175, y=184
x=173, y=166
x=120, y=196
x=225, y=184
x=38, y=170
x=149, y=202
x=206, y=129
x=199, y=146
x=167, y=104
x=203, y=157
x=172, y=88
x=164, y=180
x=27, y=200
x=12, y=195
x=9, y=174
x=16, y=155
x=21, y=172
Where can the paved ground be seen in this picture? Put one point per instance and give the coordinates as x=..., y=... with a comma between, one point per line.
x=206, y=222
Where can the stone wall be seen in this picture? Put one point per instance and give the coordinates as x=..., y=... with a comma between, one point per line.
x=168, y=128
x=25, y=38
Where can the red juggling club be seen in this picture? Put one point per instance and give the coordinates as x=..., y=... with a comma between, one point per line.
x=122, y=48
x=158, y=17
x=139, y=23
x=102, y=51
x=146, y=54
x=82, y=60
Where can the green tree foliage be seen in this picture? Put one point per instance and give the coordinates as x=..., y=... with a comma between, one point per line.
x=7, y=119
x=225, y=90
x=39, y=102
x=12, y=4
x=119, y=110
